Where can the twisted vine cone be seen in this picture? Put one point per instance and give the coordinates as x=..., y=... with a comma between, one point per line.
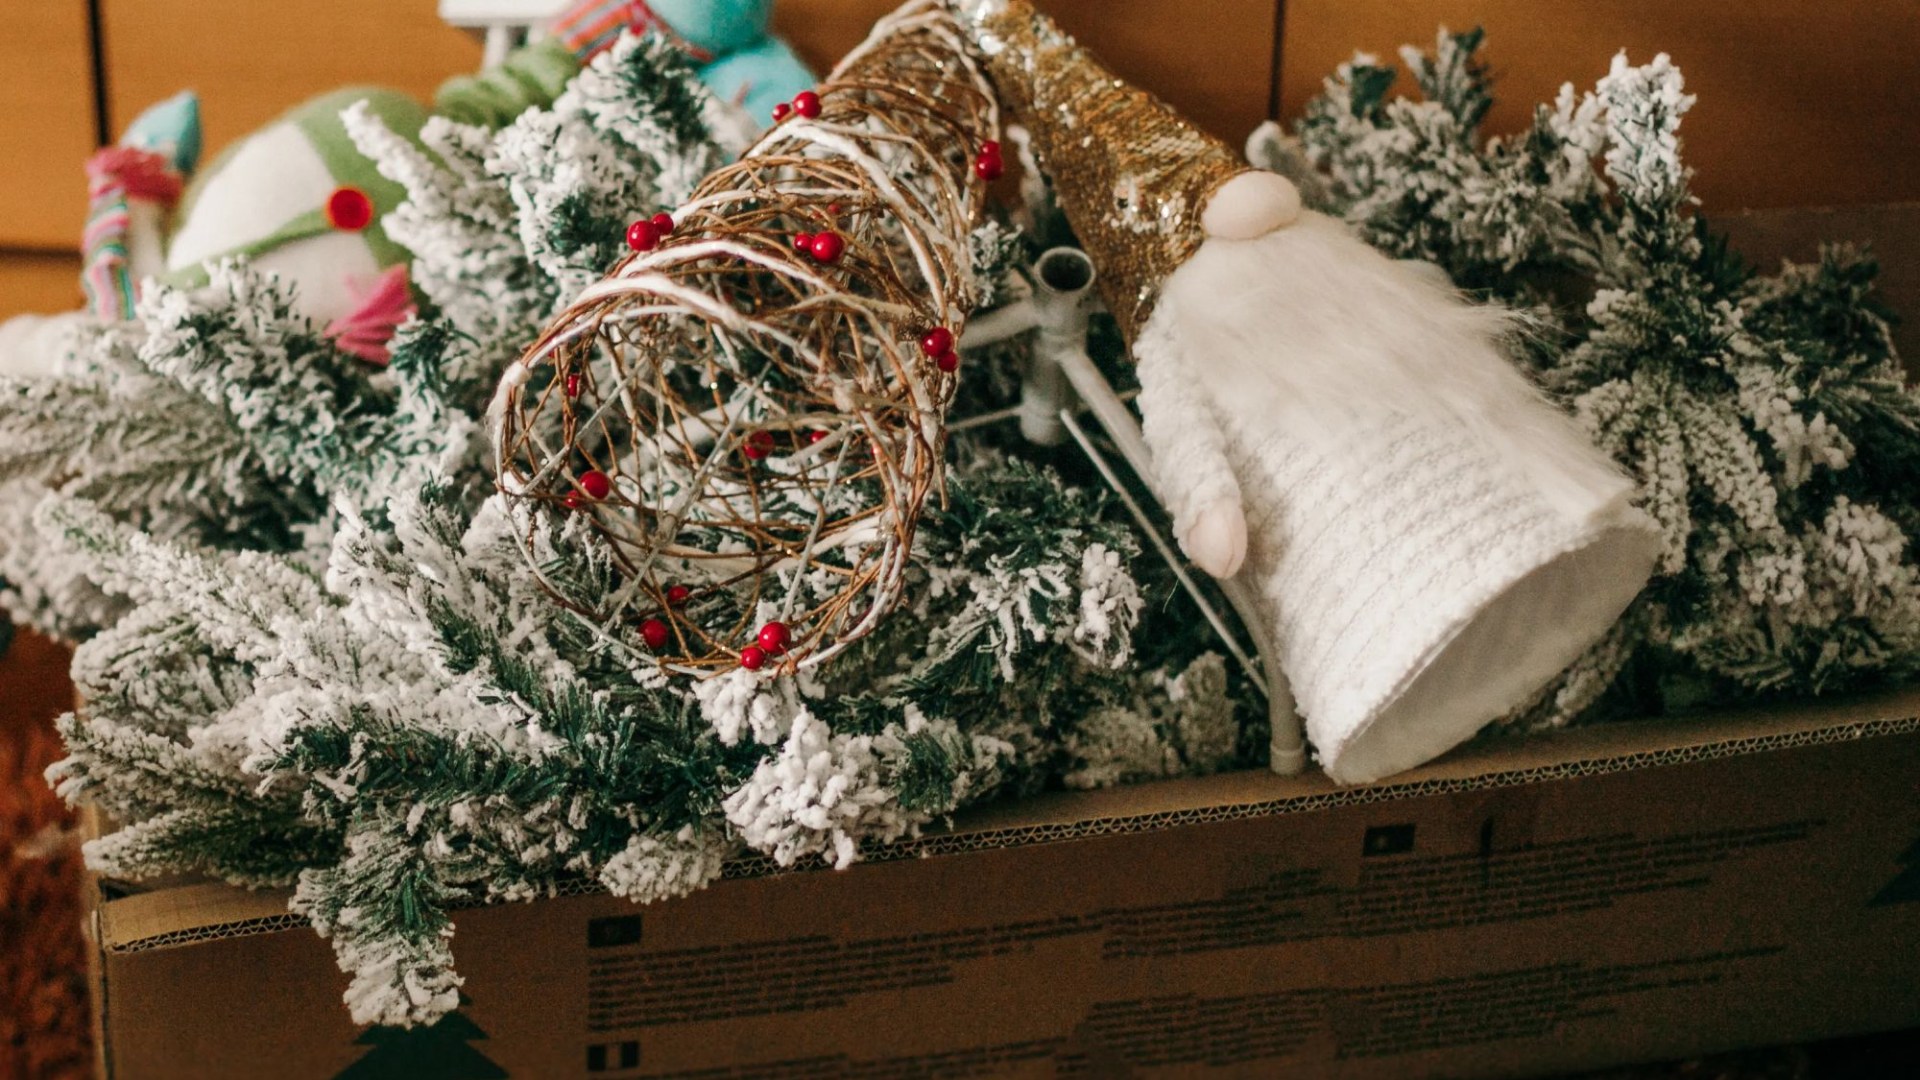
x=752, y=424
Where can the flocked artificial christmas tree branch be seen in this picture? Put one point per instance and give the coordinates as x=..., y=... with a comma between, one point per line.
x=1766, y=418
x=397, y=717
x=317, y=656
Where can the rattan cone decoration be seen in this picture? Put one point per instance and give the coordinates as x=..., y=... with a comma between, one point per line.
x=751, y=410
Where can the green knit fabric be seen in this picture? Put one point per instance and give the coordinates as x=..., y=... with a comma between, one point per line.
x=533, y=75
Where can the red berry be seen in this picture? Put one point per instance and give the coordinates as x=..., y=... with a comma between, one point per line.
x=655, y=634
x=759, y=445
x=677, y=595
x=642, y=236
x=595, y=484
x=815, y=436
x=663, y=223
x=574, y=501
x=989, y=148
x=948, y=361
x=988, y=168
x=827, y=247
x=834, y=209
x=803, y=242
x=773, y=637
x=807, y=104
x=753, y=658
x=781, y=111
x=573, y=384
x=936, y=341
x=349, y=209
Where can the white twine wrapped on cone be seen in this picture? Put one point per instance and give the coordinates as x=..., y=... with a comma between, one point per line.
x=750, y=409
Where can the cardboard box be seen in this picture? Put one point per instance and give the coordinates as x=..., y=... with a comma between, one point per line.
x=1632, y=892
x=1629, y=893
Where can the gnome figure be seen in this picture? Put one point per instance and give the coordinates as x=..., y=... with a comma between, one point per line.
x=1429, y=540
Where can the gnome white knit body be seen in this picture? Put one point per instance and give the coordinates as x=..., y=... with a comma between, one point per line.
x=1430, y=540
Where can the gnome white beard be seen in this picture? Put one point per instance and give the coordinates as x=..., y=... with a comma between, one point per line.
x=1431, y=539
x=1310, y=326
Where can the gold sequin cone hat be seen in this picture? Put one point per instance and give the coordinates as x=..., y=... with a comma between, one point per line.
x=1131, y=174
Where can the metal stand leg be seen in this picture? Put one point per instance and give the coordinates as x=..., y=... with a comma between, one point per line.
x=1063, y=278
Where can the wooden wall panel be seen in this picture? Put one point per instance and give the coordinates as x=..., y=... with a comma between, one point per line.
x=40, y=283
x=46, y=122
x=1799, y=103
x=251, y=60
x=1214, y=59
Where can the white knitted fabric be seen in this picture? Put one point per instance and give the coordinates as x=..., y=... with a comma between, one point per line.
x=1418, y=590
x=1416, y=585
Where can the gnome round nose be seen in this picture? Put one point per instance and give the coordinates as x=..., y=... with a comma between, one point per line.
x=1250, y=206
x=1430, y=540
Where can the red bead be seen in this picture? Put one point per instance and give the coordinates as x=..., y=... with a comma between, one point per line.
x=663, y=224
x=655, y=634
x=989, y=148
x=773, y=637
x=781, y=111
x=677, y=595
x=753, y=658
x=595, y=484
x=815, y=436
x=987, y=168
x=642, y=236
x=936, y=341
x=948, y=361
x=807, y=104
x=827, y=247
x=759, y=445
x=573, y=384
x=574, y=501
x=803, y=242
x=349, y=209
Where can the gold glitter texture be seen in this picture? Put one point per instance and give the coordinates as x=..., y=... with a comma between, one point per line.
x=1132, y=174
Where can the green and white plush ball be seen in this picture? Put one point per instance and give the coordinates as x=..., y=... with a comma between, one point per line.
x=301, y=202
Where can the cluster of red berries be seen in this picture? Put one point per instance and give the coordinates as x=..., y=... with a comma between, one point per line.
x=937, y=344
x=592, y=484
x=987, y=164
x=826, y=246
x=805, y=104
x=646, y=234
x=772, y=640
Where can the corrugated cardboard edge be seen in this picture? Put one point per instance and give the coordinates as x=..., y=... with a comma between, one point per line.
x=207, y=912
x=90, y=822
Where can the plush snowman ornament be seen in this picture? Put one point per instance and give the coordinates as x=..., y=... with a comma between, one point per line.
x=300, y=202
x=1430, y=541
x=295, y=197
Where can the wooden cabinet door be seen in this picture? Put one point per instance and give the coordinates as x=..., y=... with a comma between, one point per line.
x=46, y=122
x=251, y=60
x=38, y=282
x=1799, y=103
